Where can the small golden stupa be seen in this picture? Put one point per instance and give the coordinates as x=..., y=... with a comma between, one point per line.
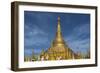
x=59, y=50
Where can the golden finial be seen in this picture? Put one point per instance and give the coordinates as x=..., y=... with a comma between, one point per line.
x=58, y=27
x=58, y=18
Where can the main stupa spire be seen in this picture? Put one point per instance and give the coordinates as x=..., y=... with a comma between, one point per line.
x=58, y=41
x=58, y=50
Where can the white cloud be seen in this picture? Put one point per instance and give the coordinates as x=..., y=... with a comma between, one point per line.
x=35, y=36
x=83, y=29
x=79, y=45
x=36, y=41
x=75, y=41
x=33, y=31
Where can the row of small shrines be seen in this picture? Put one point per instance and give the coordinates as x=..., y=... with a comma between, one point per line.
x=54, y=56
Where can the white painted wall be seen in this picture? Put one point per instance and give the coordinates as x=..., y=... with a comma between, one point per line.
x=5, y=38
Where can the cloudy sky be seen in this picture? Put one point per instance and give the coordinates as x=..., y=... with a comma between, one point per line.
x=40, y=29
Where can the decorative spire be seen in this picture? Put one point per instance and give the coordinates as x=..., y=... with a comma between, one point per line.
x=58, y=27
x=58, y=33
x=58, y=41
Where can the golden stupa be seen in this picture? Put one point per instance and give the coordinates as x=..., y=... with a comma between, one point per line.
x=59, y=50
